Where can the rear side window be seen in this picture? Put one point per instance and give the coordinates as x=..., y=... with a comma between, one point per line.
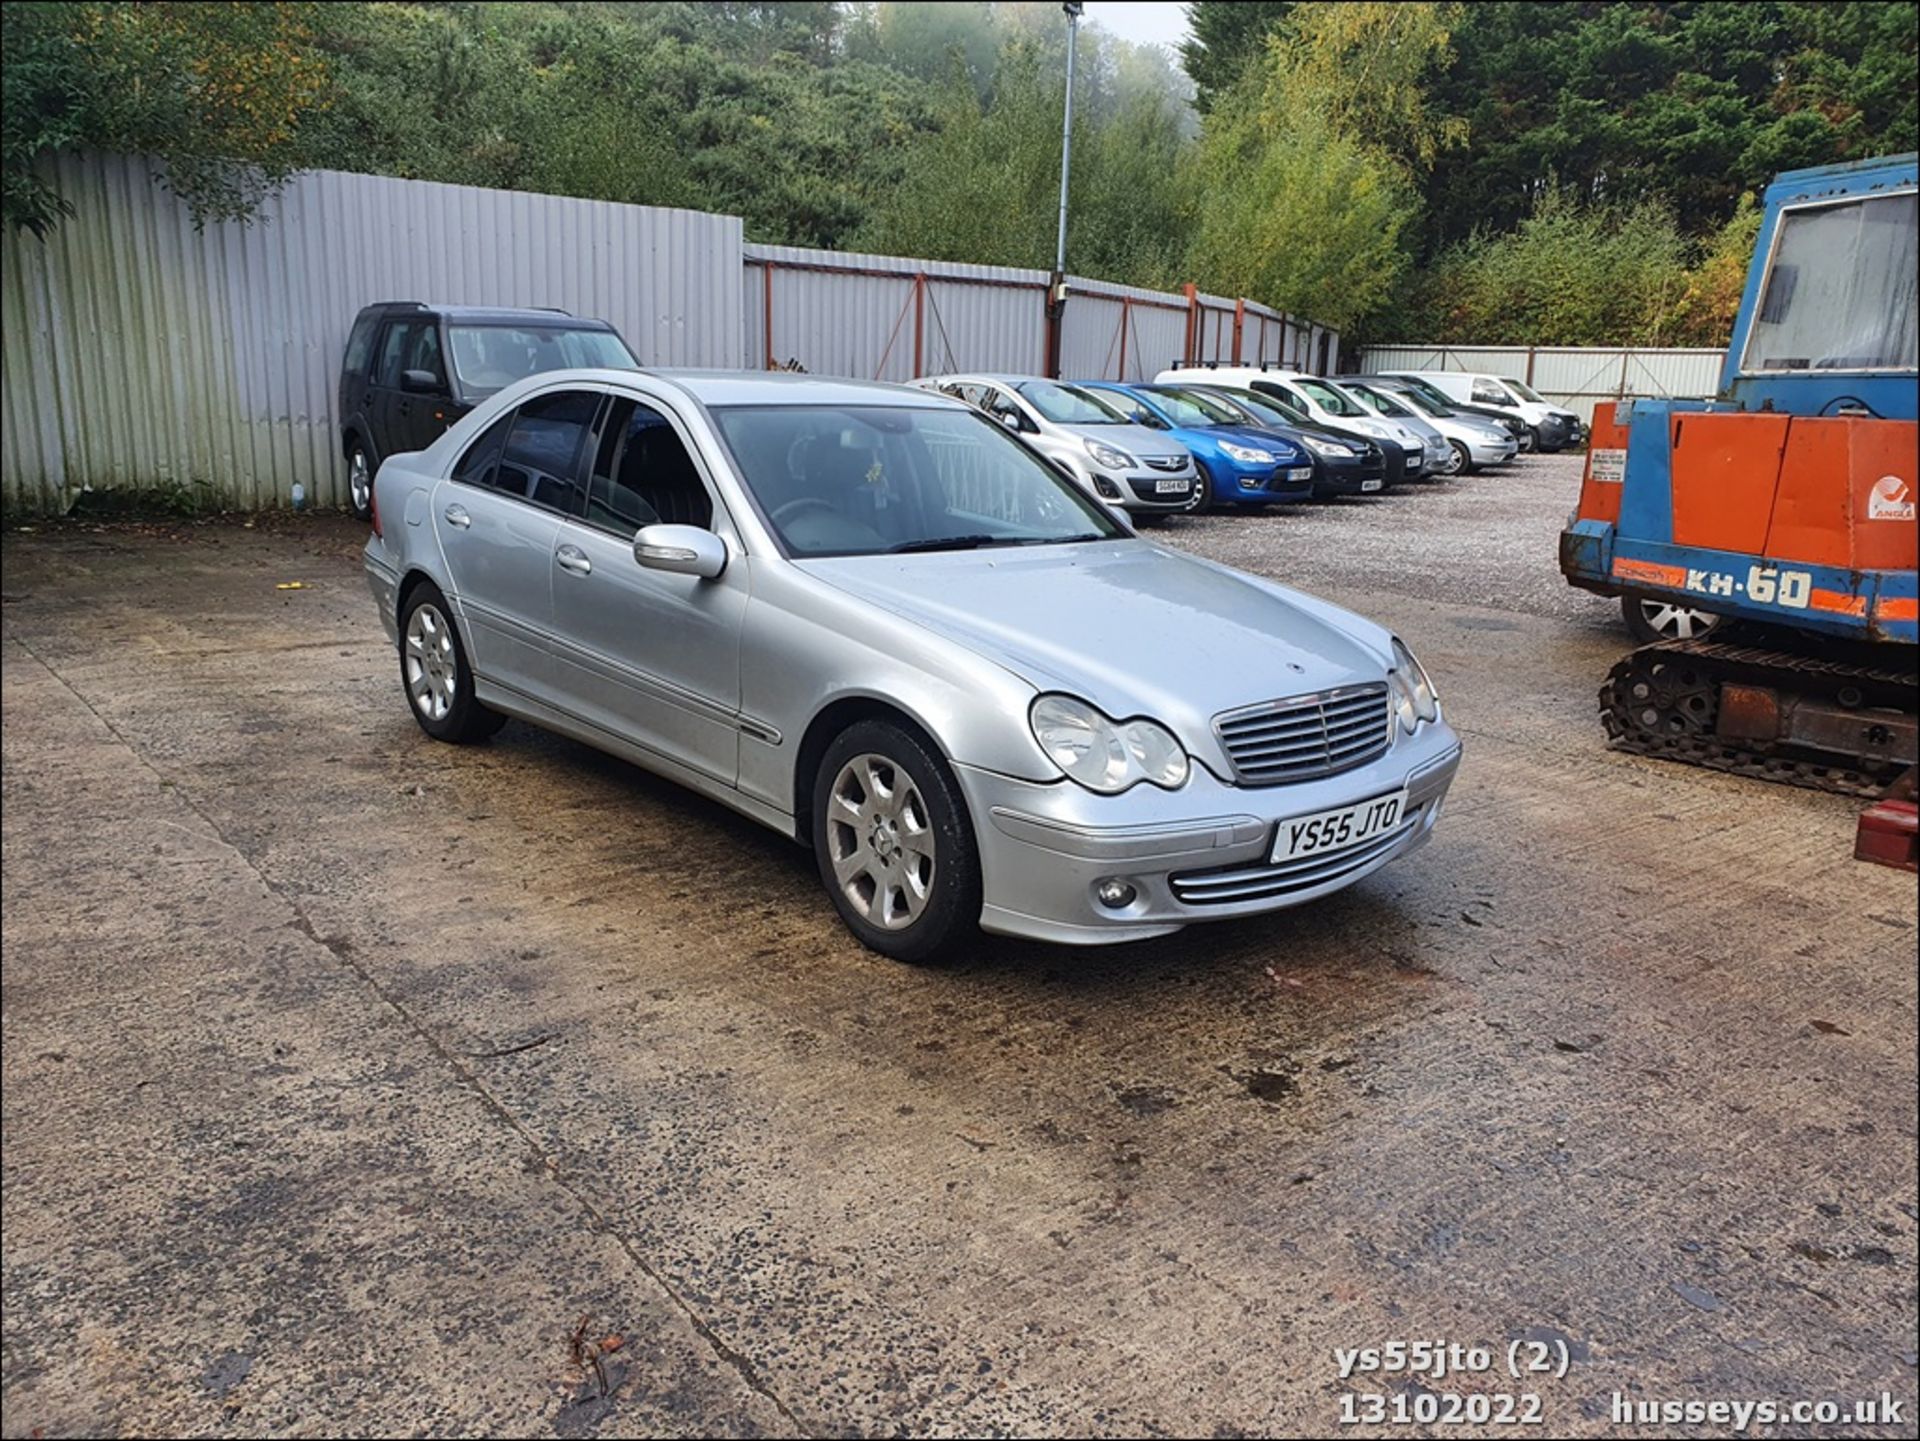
x=476, y=466
x=542, y=461
x=360, y=344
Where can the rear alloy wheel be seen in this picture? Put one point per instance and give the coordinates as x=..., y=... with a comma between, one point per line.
x=1200, y=499
x=360, y=483
x=893, y=843
x=1653, y=621
x=433, y=668
x=1461, y=462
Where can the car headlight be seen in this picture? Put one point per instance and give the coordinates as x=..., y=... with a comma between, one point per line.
x=1247, y=454
x=1103, y=754
x=1414, y=698
x=1332, y=449
x=1109, y=457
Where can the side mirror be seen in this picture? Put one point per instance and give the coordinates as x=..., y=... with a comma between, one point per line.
x=1009, y=419
x=421, y=382
x=680, y=549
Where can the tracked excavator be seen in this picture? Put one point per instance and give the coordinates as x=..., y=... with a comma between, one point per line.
x=1763, y=543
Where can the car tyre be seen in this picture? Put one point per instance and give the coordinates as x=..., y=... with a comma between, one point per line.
x=434, y=672
x=1653, y=621
x=893, y=843
x=360, y=481
x=1462, y=459
x=1201, y=500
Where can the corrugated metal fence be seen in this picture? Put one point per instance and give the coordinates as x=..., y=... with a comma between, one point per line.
x=141, y=353
x=883, y=317
x=137, y=352
x=1576, y=377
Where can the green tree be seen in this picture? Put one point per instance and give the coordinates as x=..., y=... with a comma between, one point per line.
x=221, y=94
x=1223, y=38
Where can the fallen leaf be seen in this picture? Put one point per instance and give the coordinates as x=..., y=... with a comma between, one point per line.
x=1828, y=1028
x=291, y=585
x=612, y=1343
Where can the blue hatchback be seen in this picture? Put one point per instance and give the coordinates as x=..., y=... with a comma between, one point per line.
x=1237, y=464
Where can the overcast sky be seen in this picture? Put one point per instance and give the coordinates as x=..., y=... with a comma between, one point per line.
x=1145, y=22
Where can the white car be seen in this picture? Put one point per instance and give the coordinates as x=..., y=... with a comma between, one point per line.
x=1327, y=406
x=1552, y=428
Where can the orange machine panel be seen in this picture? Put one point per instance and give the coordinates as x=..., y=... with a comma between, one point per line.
x=1847, y=494
x=1724, y=469
x=1600, y=483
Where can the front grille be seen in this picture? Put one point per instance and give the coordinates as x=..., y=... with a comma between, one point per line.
x=1167, y=462
x=1305, y=736
x=1265, y=881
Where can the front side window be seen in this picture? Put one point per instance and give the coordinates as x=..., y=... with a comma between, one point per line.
x=642, y=474
x=863, y=480
x=1001, y=407
x=488, y=358
x=1068, y=404
x=541, y=460
x=1328, y=399
x=1490, y=392
x=1840, y=290
x=423, y=351
x=1282, y=399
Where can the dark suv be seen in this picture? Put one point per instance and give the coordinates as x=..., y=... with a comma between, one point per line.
x=398, y=391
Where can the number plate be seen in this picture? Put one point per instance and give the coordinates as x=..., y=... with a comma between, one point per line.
x=1169, y=487
x=1337, y=829
x=1300, y=472
x=1367, y=485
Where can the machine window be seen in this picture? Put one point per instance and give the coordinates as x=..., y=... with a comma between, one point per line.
x=643, y=475
x=1840, y=290
x=541, y=459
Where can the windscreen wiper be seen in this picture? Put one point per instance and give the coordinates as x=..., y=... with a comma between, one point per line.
x=944, y=542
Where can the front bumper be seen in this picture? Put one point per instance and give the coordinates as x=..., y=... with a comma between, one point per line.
x=1139, y=490
x=1266, y=484
x=1492, y=452
x=1044, y=848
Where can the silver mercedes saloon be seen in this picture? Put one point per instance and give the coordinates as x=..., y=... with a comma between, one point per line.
x=871, y=618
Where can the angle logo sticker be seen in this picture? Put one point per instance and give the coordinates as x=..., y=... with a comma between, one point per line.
x=1890, y=499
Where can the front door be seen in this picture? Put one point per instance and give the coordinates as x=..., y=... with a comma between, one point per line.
x=498, y=517
x=651, y=656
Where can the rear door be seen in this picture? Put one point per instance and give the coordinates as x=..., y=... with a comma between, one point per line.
x=498, y=518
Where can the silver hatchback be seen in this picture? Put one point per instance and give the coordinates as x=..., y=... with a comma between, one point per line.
x=867, y=617
x=1124, y=463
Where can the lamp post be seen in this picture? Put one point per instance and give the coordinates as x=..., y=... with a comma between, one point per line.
x=1057, y=287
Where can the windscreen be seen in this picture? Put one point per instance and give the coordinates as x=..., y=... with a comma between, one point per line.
x=1329, y=399
x=867, y=480
x=1377, y=400
x=1068, y=404
x=1257, y=409
x=1525, y=391
x=1191, y=408
x=1840, y=290
x=487, y=358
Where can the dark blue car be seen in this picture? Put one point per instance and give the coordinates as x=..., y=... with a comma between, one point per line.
x=1236, y=463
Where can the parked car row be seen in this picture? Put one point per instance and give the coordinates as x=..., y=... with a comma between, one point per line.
x=1196, y=438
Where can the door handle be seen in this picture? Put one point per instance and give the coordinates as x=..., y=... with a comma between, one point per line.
x=572, y=558
x=457, y=515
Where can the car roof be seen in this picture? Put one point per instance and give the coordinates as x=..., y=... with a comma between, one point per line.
x=992, y=377
x=496, y=314
x=757, y=387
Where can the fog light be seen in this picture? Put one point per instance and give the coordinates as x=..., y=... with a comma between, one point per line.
x=1251, y=482
x=1106, y=487
x=1114, y=893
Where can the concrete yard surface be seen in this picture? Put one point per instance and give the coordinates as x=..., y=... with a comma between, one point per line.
x=349, y=1077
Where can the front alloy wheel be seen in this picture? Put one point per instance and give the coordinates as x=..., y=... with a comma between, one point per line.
x=1459, y=461
x=1200, y=498
x=893, y=843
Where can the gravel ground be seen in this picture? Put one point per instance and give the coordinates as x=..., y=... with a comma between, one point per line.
x=349, y=1078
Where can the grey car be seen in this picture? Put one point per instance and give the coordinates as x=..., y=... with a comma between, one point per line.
x=1124, y=463
x=1469, y=444
x=866, y=616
